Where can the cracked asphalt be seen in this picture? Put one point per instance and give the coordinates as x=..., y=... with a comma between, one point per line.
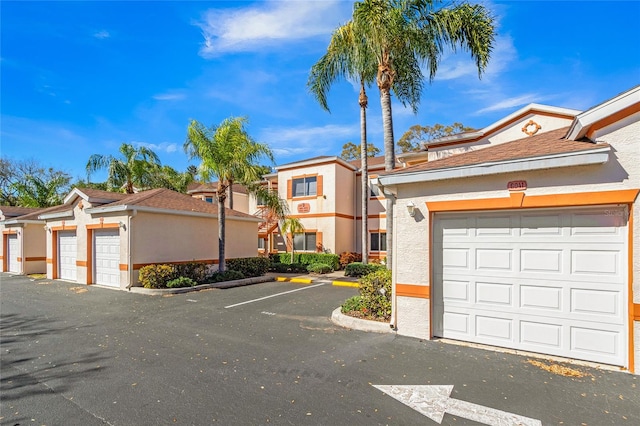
x=76, y=355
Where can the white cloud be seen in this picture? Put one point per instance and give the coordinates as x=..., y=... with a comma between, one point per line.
x=102, y=34
x=268, y=23
x=309, y=141
x=513, y=102
x=458, y=65
x=164, y=146
x=169, y=96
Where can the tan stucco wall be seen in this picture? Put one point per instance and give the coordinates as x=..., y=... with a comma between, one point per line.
x=411, y=236
x=80, y=220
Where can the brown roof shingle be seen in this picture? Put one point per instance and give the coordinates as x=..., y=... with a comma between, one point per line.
x=14, y=211
x=548, y=143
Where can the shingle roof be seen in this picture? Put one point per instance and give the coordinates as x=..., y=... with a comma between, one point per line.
x=34, y=215
x=14, y=211
x=166, y=199
x=549, y=143
x=371, y=161
x=98, y=193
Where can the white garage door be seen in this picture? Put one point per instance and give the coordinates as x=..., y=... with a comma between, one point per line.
x=548, y=281
x=12, y=253
x=67, y=253
x=107, y=257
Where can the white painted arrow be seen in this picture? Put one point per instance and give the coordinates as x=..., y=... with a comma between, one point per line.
x=434, y=401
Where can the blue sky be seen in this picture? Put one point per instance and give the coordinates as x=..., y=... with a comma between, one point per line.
x=79, y=78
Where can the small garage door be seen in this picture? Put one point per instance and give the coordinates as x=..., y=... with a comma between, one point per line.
x=553, y=282
x=67, y=254
x=107, y=257
x=12, y=253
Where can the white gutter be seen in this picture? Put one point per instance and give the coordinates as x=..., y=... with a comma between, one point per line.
x=125, y=207
x=56, y=215
x=18, y=222
x=596, y=156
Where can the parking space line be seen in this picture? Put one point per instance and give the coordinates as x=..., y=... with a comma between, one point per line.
x=274, y=295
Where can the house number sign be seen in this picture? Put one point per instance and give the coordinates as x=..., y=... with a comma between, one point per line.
x=304, y=208
x=517, y=185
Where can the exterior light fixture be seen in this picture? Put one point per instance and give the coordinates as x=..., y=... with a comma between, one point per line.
x=121, y=225
x=411, y=208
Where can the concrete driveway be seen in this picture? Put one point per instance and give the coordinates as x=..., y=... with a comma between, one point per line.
x=262, y=354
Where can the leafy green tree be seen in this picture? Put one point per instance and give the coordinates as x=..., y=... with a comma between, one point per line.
x=347, y=57
x=27, y=183
x=351, y=151
x=404, y=35
x=229, y=154
x=135, y=169
x=168, y=177
x=417, y=135
x=46, y=190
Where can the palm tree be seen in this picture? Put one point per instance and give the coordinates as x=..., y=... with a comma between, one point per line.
x=135, y=169
x=404, y=35
x=291, y=226
x=348, y=58
x=228, y=153
x=42, y=191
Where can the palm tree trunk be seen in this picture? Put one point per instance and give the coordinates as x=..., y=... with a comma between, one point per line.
x=364, y=169
x=231, y=194
x=389, y=162
x=221, y=227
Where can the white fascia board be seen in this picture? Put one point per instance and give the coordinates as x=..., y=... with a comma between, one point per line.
x=78, y=193
x=124, y=207
x=582, y=122
x=305, y=163
x=19, y=222
x=580, y=158
x=56, y=215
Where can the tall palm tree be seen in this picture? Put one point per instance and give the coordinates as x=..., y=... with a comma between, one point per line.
x=404, y=35
x=228, y=153
x=347, y=57
x=42, y=191
x=135, y=169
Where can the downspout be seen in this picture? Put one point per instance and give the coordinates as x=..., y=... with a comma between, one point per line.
x=130, y=258
x=394, y=308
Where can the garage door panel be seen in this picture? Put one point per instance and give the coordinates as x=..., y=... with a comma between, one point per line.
x=555, y=283
x=67, y=253
x=12, y=253
x=107, y=257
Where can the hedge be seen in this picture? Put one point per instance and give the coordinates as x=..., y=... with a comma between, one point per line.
x=249, y=266
x=358, y=269
x=332, y=260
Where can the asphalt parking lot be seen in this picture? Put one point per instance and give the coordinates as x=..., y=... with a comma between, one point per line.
x=264, y=354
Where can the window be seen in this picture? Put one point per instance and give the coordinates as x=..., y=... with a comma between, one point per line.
x=304, y=241
x=261, y=244
x=378, y=241
x=208, y=199
x=304, y=187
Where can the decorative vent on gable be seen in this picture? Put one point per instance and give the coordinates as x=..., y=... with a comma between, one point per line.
x=531, y=128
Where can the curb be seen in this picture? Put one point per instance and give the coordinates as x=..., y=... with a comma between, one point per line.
x=294, y=280
x=221, y=285
x=338, y=318
x=346, y=284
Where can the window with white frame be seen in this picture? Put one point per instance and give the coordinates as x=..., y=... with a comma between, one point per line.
x=378, y=241
x=261, y=244
x=304, y=241
x=304, y=187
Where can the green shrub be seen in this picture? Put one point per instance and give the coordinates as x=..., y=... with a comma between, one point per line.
x=332, y=260
x=319, y=268
x=156, y=276
x=375, y=290
x=181, y=282
x=249, y=266
x=352, y=304
x=282, y=268
x=228, y=275
x=196, y=271
x=348, y=257
x=358, y=269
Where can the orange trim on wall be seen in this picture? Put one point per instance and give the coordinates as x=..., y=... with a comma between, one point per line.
x=123, y=267
x=289, y=189
x=632, y=109
x=624, y=196
x=54, y=254
x=316, y=215
x=34, y=259
x=413, y=290
x=90, y=242
x=10, y=232
x=64, y=228
x=82, y=263
x=49, y=260
x=319, y=186
x=636, y=311
x=103, y=226
x=19, y=259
